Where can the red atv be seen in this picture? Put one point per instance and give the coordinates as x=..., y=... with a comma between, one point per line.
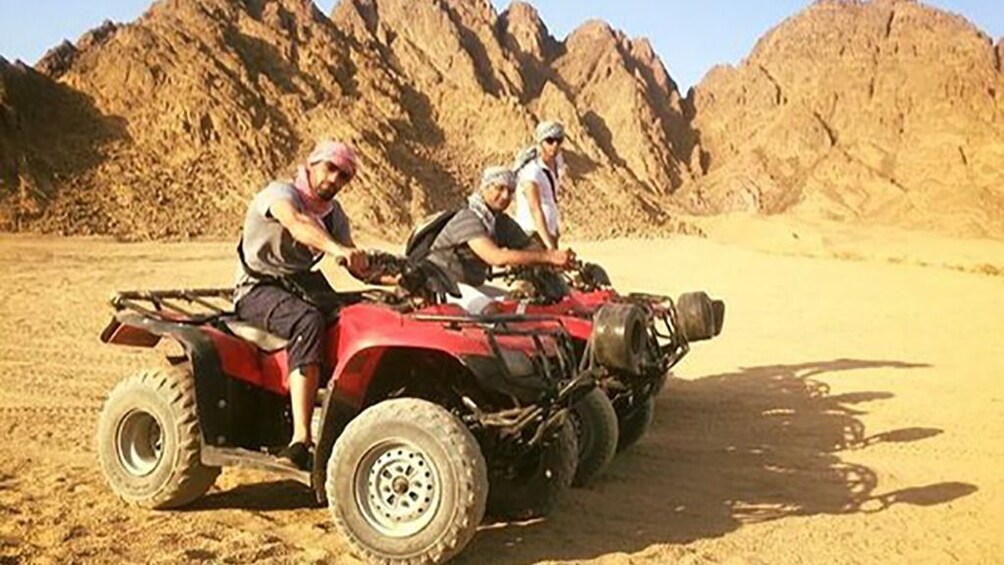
x=635, y=338
x=429, y=418
x=630, y=342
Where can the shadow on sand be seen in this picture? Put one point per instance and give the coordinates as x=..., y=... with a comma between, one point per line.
x=267, y=496
x=726, y=450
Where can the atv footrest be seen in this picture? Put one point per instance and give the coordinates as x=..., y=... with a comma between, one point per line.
x=237, y=457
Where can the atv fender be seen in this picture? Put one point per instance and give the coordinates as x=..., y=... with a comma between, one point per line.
x=366, y=337
x=235, y=407
x=352, y=390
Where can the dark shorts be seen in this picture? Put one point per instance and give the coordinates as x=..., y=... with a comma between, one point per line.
x=286, y=315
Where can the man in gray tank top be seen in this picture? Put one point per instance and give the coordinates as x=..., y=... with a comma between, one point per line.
x=287, y=229
x=482, y=235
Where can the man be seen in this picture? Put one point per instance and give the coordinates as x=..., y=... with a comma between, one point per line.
x=481, y=235
x=288, y=227
x=538, y=169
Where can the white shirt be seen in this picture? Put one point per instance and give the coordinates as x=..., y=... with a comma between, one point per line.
x=534, y=172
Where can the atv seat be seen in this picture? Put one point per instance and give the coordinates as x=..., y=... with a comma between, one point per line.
x=253, y=334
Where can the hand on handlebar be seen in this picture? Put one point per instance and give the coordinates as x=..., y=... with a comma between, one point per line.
x=355, y=260
x=561, y=258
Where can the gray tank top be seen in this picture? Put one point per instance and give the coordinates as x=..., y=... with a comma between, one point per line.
x=270, y=249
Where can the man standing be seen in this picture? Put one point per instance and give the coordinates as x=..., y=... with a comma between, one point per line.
x=538, y=169
x=288, y=227
x=482, y=235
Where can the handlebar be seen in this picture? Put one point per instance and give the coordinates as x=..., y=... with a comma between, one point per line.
x=514, y=271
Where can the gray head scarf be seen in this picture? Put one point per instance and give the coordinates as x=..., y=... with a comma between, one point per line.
x=490, y=177
x=498, y=176
x=544, y=130
x=548, y=129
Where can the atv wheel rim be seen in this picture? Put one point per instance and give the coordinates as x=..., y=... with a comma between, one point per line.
x=397, y=489
x=139, y=443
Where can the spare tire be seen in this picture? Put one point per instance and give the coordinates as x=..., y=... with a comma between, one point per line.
x=700, y=317
x=718, y=309
x=620, y=336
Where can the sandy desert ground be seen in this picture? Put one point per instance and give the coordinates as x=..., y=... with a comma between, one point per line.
x=851, y=412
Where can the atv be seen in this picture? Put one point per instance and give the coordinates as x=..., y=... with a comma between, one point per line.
x=634, y=339
x=593, y=417
x=429, y=418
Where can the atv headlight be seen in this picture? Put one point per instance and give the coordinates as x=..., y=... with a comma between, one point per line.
x=518, y=363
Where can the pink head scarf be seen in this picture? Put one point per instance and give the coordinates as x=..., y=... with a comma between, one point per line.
x=336, y=153
x=330, y=151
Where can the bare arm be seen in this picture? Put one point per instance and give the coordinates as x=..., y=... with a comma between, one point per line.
x=497, y=256
x=532, y=192
x=304, y=229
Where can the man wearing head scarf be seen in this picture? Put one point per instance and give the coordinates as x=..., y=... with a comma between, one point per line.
x=538, y=168
x=482, y=235
x=287, y=228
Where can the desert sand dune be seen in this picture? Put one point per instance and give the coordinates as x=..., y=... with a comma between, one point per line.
x=849, y=413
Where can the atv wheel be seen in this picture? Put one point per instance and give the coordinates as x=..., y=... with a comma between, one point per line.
x=407, y=483
x=149, y=440
x=530, y=487
x=635, y=423
x=595, y=423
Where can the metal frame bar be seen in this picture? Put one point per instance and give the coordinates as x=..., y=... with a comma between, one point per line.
x=501, y=325
x=164, y=304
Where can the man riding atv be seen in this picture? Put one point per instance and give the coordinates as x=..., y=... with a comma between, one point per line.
x=287, y=228
x=466, y=244
x=635, y=339
x=539, y=173
x=481, y=235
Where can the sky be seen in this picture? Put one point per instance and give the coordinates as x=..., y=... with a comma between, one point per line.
x=690, y=36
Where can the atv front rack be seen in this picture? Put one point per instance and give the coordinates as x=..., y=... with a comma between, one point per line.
x=494, y=325
x=664, y=328
x=573, y=383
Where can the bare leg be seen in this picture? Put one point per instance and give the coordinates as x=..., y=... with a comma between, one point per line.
x=302, y=392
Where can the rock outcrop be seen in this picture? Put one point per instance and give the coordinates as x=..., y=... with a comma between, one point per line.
x=884, y=112
x=200, y=102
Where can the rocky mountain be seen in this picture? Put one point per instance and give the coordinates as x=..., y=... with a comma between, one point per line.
x=50, y=135
x=199, y=102
x=885, y=112
x=208, y=100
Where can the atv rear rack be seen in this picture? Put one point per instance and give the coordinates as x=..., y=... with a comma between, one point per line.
x=187, y=306
x=202, y=305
